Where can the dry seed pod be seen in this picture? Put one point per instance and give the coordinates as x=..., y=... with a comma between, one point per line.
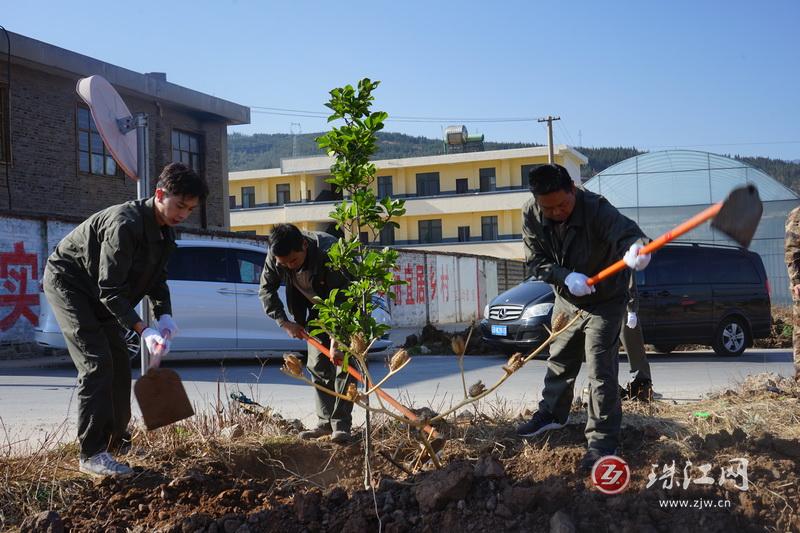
x=352, y=392
x=559, y=321
x=358, y=344
x=292, y=364
x=514, y=362
x=458, y=345
x=476, y=389
x=398, y=359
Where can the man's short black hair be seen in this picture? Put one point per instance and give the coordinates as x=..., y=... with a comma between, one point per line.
x=285, y=239
x=179, y=179
x=549, y=178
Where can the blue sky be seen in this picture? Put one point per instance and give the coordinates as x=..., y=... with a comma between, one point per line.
x=722, y=76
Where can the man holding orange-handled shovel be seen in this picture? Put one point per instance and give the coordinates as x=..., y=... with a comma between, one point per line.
x=570, y=234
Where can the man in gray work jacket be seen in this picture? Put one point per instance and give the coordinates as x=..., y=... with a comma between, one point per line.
x=93, y=280
x=299, y=260
x=569, y=233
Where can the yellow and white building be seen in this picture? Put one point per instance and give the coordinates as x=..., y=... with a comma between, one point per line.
x=465, y=202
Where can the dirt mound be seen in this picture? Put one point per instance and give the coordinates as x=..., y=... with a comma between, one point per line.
x=434, y=340
x=530, y=491
x=731, y=463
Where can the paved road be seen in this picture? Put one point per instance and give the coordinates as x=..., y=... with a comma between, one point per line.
x=39, y=403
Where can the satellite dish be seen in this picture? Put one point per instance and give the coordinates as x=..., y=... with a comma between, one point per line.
x=113, y=121
x=126, y=137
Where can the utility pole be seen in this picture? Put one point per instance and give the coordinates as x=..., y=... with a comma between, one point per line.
x=549, y=119
x=294, y=136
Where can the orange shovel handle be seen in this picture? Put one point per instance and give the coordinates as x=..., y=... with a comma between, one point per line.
x=677, y=231
x=356, y=374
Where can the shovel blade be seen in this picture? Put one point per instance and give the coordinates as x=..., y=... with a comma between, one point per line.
x=740, y=214
x=162, y=398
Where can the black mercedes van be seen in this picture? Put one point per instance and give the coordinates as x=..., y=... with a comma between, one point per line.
x=691, y=293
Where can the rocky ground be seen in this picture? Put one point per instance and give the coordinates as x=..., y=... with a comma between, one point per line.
x=239, y=480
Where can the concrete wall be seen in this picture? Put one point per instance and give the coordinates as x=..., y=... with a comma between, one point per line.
x=441, y=289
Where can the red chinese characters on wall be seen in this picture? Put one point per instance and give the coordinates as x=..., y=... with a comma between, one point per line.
x=413, y=291
x=15, y=267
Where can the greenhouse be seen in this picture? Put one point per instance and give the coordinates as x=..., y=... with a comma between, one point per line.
x=659, y=190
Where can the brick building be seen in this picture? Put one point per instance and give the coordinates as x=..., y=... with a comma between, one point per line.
x=58, y=164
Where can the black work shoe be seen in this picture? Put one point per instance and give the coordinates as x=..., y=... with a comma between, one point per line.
x=340, y=437
x=640, y=390
x=592, y=456
x=317, y=432
x=540, y=422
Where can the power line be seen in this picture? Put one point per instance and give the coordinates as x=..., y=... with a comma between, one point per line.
x=282, y=111
x=288, y=112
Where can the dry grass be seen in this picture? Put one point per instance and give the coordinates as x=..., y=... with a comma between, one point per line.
x=47, y=477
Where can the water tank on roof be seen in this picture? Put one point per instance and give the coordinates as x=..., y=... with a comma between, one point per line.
x=455, y=134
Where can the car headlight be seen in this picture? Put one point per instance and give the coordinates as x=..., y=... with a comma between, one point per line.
x=486, y=312
x=536, y=310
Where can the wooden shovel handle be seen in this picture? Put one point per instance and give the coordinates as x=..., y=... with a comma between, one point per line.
x=356, y=374
x=674, y=233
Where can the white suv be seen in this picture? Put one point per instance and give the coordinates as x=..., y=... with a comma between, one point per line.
x=214, y=291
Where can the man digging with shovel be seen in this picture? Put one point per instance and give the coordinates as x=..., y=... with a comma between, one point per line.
x=93, y=280
x=568, y=233
x=299, y=260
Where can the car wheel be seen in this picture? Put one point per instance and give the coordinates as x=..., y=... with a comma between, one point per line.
x=665, y=348
x=731, y=338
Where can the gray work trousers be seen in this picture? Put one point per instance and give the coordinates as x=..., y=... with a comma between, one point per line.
x=597, y=337
x=633, y=342
x=96, y=344
x=332, y=413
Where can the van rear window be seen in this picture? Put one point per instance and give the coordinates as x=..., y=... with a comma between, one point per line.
x=681, y=268
x=199, y=264
x=729, y=268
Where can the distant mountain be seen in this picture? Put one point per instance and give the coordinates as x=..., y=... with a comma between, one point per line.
x=265, y=150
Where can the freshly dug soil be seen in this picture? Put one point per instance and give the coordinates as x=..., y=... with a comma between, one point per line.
x=490, y=480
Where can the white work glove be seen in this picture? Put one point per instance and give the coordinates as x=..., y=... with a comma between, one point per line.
x=576, y=283
x=167, y=326
x=634, y=260
x=157, y=345
x=632, y=321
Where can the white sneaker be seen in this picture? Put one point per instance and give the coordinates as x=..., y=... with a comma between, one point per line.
x=102, y=465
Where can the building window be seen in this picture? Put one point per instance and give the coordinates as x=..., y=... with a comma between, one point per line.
x=430, y=231
x=232, y=202
x=5, y=127
x=489, y=228
x=526, y=169
x=93, y=156
x=384, y=186
x=387, y=235
x=248, y=196
x=463, y=234
x=462, y=185
x=428, y=184
x=187, y=148
x=282, y=193
x=488, y=179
